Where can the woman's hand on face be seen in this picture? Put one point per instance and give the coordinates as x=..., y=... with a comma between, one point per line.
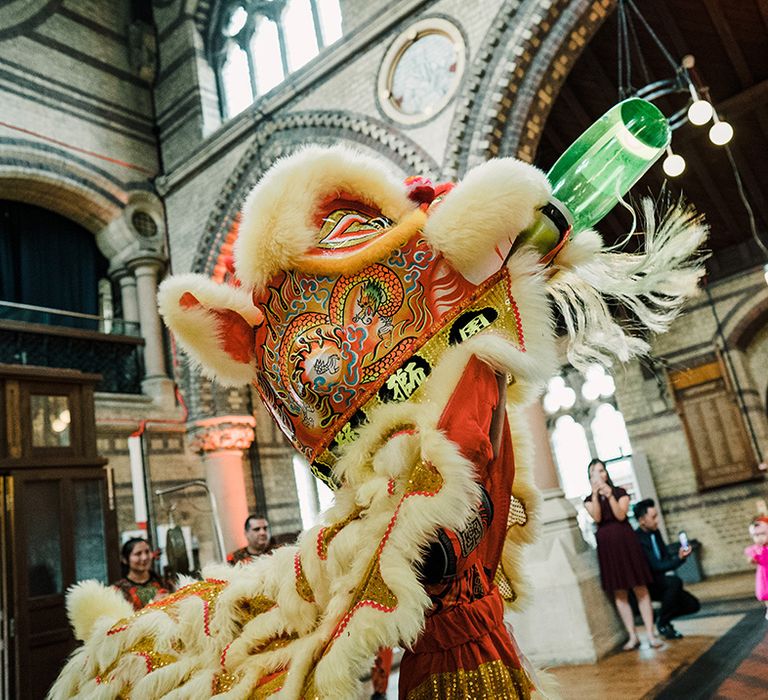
x=604, y=490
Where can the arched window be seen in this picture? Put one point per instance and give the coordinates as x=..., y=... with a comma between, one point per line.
x=584, y=423
x=260, y=42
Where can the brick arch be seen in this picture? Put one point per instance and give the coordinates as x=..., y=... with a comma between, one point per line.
x=513, y=81
x=282, y=136
x=746, y=320
x=56, y=180
x=20, y=16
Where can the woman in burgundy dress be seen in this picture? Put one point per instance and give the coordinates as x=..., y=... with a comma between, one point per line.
x=622, y=563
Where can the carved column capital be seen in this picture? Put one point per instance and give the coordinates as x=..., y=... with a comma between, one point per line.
x=146, y=262
x=222, y=433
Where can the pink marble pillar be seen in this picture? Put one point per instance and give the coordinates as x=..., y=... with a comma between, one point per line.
x=222, y=442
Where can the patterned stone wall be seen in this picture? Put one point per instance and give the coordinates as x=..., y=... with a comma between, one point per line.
x=72, y=86
x=718, y=518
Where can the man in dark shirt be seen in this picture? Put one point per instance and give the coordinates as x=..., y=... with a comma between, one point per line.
x=666, y=587
x=258, y=538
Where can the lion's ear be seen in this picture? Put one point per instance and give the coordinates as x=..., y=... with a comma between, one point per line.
x=214, y=324
x=476, y=223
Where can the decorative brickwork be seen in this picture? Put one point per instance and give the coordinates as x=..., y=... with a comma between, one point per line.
x=222, y=433
x=527, y=54
x=19, y=16
x=283, y=135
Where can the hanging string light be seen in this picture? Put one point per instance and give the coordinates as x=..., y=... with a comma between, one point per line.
x=673, y=164
x=698, y=111
x=721, y=132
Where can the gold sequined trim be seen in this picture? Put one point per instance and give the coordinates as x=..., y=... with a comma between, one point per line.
x=145, y=648
x=248, y=608
x=424, y=479
x=517, y=513
x=302, y=583
x=377, y=591
x=489, y=681
x=310, y=691
x=207, y=591
x=223, y=682
x=326, y=534
x=263, y=691
x=273, y=644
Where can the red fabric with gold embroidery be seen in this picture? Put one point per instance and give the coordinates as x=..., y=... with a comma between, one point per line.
x=465, y=626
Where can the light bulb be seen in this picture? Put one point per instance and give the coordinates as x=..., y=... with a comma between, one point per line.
x=720, y=133
x=700, y=112
x=673, y=164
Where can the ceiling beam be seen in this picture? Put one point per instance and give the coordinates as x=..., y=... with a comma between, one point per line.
x=729, y=42
x=735, y=54
x=751, y=182
x=749, y=100
x=733, y=51
x=762, y=6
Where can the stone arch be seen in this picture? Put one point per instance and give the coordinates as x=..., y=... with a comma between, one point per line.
x=54, y=179
x=20, y=16
x=747, y=319
x=94, y=198
x=283, y=135
x=527, y=54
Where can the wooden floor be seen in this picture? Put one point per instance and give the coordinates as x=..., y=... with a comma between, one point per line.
x=641, y=674
x=644, y=673
x=750, y=679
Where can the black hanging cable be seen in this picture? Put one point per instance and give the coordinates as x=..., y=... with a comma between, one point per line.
x=655, y=38
x=745, y=201
x=620, y=48
x=640, y=57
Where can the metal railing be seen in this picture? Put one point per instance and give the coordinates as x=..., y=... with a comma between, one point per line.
x=73, y=340
x=31, y=313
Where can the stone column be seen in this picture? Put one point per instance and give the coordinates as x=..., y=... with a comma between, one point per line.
x=222, y=442
x=569, y=619
x=129, y=301
x=156, y=382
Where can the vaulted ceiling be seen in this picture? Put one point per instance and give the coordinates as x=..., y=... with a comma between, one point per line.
x=729, y=41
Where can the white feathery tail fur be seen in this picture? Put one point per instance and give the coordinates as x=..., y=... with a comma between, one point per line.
x=653, y=284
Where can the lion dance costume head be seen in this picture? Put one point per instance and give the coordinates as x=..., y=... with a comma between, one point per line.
x=368, y=312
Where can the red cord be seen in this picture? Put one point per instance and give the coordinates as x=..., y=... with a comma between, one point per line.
x=38, y=135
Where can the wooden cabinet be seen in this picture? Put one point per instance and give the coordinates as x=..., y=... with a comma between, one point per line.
x=58, y=523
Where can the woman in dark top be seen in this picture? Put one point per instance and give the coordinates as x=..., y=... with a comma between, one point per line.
x=622, y=563
x=140, y=585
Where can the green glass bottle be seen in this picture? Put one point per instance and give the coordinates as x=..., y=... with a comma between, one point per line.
x=600, y=167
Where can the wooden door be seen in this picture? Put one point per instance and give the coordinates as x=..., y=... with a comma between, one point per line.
x=57, y=526
x=714, y=426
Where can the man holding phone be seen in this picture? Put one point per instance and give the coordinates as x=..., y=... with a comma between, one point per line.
x=666, y=587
